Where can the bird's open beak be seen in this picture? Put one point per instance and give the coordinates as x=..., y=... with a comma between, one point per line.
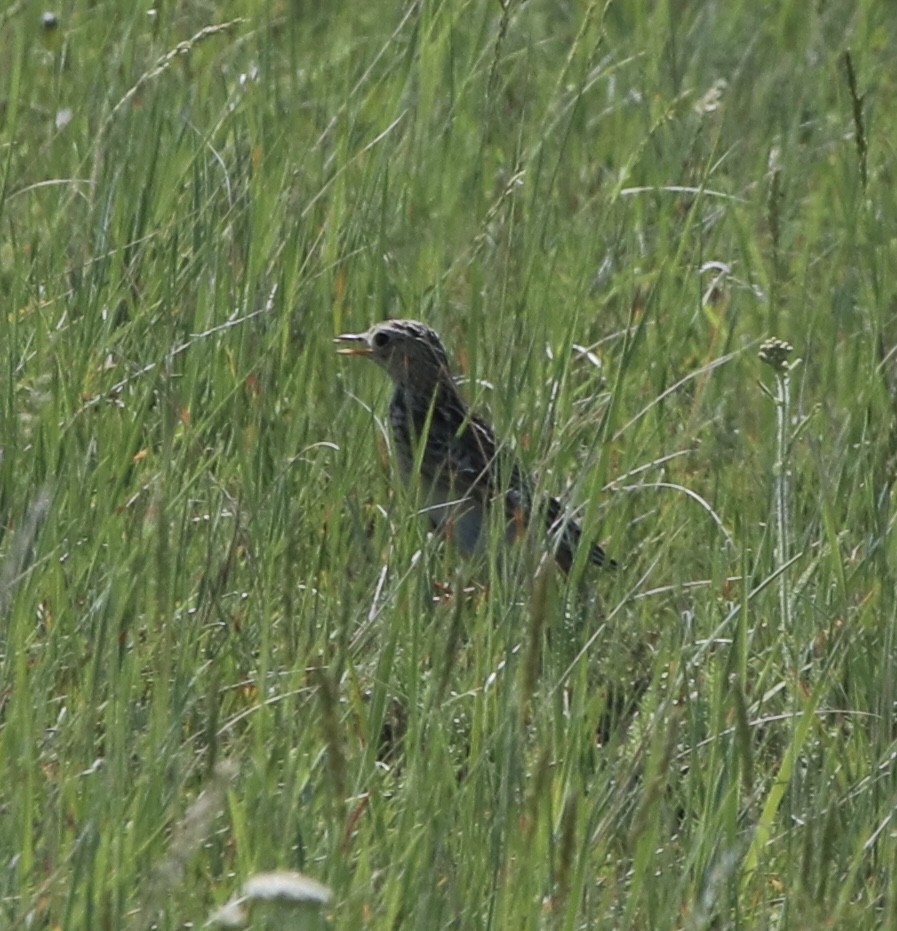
x=353, y=344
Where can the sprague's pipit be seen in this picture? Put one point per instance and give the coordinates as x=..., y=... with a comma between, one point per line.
x=462, y=469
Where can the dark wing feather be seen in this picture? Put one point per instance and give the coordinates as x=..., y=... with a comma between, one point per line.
x=463, y=457
x=483, y=467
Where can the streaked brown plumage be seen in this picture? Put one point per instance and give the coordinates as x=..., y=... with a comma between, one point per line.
x=463, y=470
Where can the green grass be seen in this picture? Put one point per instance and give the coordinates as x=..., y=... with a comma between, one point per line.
x=207, y=572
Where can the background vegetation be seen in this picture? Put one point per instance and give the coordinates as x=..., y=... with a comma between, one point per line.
x=218, y=651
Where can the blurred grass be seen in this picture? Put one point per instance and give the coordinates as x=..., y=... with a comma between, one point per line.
x=207, y=571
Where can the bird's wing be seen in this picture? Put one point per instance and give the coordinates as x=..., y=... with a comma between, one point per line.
x=474, y=457
x=481, y=468
x=496, y=473
x=478, y=465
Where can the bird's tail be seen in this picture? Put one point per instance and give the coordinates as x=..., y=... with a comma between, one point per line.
x=566, y=534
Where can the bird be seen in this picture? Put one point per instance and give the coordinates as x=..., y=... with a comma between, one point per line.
x=462, y=468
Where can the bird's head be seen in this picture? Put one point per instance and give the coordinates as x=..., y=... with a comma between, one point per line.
x=411, y=352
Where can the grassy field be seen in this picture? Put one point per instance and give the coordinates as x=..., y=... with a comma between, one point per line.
x=226, y=644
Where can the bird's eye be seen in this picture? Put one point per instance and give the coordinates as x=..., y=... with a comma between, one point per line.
x=380, y=339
